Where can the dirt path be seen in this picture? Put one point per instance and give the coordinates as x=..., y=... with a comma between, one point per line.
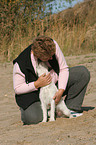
x=64, y=131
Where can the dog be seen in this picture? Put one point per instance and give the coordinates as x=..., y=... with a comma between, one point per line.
x=46, y=96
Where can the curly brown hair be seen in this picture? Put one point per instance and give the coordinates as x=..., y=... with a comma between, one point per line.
x=43, y=47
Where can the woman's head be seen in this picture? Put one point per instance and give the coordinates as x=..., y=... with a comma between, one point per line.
x=43, y=48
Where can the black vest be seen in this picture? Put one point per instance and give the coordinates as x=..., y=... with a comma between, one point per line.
x=26, y=67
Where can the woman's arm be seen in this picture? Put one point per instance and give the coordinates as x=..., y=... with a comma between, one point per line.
x=64, y=70
x=19, y=83
x=63, y=74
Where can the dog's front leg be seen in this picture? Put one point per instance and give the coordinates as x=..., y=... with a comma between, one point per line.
x=44, y=109
x=52, y=116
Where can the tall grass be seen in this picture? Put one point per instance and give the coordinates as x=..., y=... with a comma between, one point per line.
x=74, y=29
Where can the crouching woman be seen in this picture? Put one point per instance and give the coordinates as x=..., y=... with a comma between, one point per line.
x=72, y=82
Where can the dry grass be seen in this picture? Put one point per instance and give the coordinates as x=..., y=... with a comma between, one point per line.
x=74, y=29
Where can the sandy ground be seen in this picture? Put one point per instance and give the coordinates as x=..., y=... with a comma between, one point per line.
x=64, y=131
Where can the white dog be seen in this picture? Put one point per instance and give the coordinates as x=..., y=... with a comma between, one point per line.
x=46, y=96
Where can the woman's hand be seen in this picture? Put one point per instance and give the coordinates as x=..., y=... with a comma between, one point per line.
x=43, y=80
x=58, y=96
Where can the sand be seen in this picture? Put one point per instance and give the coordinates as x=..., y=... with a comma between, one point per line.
x=64, y=131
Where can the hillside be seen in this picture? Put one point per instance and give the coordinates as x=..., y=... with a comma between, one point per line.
x=74, y=29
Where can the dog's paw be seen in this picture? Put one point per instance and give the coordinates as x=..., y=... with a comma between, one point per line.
x=51, y=119
x=71, y=116
x=44, y=121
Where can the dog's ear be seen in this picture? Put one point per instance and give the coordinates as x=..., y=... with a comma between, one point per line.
x=44, y=65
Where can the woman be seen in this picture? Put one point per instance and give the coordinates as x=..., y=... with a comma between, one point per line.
x=71, y=82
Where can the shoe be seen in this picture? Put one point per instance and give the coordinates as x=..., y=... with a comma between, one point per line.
x=75, y=114
x=76, y=110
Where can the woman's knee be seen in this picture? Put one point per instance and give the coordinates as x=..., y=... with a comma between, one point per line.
x=86, y=74
x=35, y=120
x=32, y=115
x=32, y=119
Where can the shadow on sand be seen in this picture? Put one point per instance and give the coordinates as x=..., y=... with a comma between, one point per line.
x=87, y=108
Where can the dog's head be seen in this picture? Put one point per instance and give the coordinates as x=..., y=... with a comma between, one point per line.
x=41, y=68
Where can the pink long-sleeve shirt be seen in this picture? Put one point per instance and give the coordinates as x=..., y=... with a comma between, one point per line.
x=20, y=85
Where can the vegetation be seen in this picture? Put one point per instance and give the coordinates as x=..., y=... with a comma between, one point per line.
x=74, y=29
